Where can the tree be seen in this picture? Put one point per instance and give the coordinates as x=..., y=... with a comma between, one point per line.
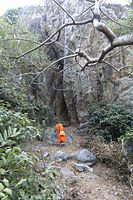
x=12, y=15
x=28, y=48
x=113, y=40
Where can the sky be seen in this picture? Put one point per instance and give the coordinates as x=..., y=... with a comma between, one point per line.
x=9, y=4
x=118, y=1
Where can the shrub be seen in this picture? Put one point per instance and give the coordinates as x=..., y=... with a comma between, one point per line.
x=109, y=120
x=111, y=156
x=128, y=137
x=19, y=181
x=38, y=112
x=14, y=126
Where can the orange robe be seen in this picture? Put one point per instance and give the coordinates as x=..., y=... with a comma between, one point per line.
x=59, y=127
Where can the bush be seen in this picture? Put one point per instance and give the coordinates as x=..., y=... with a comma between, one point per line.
x=111, y=156
x=38, y=112
x=109, y=120
x=19, y=181
x=14, y=126
x=128, y=137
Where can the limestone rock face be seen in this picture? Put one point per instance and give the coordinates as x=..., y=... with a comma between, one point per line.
x=69, y=90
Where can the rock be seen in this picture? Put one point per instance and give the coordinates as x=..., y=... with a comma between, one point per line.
x=128, y=151
x=83, y=125
x=80, y=167
x=83, y=131
x=83, y=117
x=79, y=131
x=84, y=155
x=52, y=136
x=90, y=164
x=104, y=83
x=67, y=172
x=40, y=166
x=61, y=156
x=45, y=154
x=76, y=131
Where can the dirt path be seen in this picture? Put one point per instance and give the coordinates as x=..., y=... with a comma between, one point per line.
x=99, y=185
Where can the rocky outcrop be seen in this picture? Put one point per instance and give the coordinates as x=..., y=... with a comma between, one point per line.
x=68, y=90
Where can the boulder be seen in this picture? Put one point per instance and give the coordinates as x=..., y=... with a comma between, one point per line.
x=84, y=155
x=83, y=131
x=51, y=136
x=40, y=166
x=83, y=125
x=45, y=154
x=80, y=167
x=66, y=172
x=128, y=151
x=61, y=156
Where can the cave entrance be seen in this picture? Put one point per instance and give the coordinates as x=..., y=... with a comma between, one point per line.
x=55, y=85
x=61, y=107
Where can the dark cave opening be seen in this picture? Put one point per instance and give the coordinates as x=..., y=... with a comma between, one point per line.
x=61, y=108
x=60, y=104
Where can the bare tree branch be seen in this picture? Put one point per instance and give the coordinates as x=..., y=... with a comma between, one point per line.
x=123, y=40
x=114, y=54
x=104, y=29
x=65, y=47
x=53, y=63
x=114, y=20
x=51, y=36
x=48, y=43
x=89, y=59
x=120, y=41
x=87, y=9
x=64, y=11
x=110, y=65
x=67, y=68
x=101, y=26
x=92, y=1
x=58, y=43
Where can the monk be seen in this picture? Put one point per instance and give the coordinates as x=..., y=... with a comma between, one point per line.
x=60, y=132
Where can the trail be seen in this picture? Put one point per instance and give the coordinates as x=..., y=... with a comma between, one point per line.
x=99, y=185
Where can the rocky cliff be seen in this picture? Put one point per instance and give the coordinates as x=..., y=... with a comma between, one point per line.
x=68, y=89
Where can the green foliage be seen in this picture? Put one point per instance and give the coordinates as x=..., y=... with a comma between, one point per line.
x=17, y=178
x=128, y=136
x=16, y=76
x=125, y=27
x=43, y=113
x=40, y=113
x=14, y=126
x=9, y=137
x=11, y=15
x=109, y=120
x=19, y=181
x=5, y=191
x=131, y=3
